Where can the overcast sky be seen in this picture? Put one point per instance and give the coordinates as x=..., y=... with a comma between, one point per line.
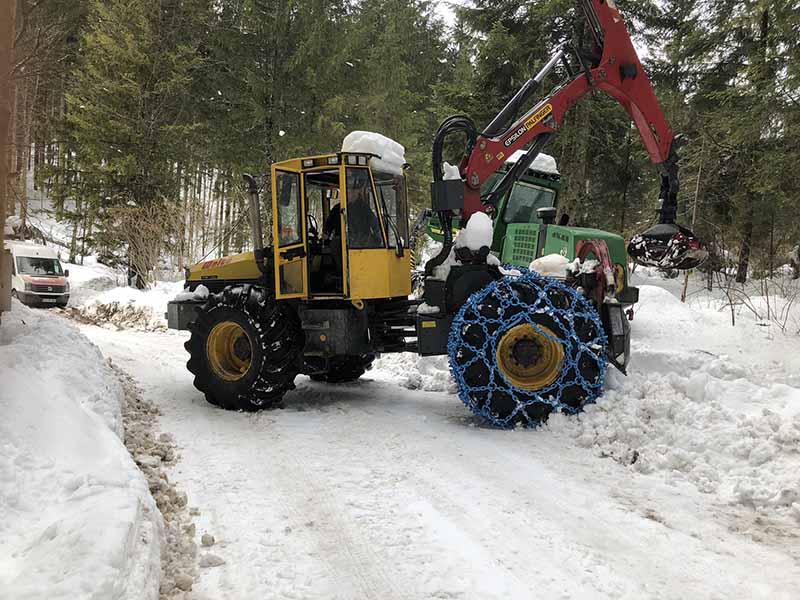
x=444, y=8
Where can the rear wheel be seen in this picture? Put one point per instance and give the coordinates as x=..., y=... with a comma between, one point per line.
x=344, y=369
x=523, y=347
x=244, y=349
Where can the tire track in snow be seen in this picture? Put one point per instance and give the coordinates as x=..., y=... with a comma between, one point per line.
x=338, y=537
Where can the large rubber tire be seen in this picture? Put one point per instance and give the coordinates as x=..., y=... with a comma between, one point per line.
x=571, y=345
x=344, y=369
x=275, y=347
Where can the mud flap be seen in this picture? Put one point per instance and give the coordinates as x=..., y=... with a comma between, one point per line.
x=618, y=330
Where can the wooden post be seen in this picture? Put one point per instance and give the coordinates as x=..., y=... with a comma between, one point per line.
x=7, y=28
x=7, y=19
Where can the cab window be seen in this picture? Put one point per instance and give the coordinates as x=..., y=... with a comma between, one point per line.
x=322, y=203
x=290, y=214
x=392, y=193
x=363, y=224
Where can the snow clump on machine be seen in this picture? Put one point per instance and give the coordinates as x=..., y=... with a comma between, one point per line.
x=551, y=265
x=199, y=293
x=544, y=163
x=392, y=155
x=451, y=172
x=478, y=233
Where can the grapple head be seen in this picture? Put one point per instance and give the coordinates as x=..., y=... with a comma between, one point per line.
x=667, y=246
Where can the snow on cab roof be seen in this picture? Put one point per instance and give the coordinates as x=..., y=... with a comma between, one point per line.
x=392, y=154
x=544, y=163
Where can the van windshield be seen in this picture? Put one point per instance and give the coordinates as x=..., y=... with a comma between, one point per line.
x=36, y=265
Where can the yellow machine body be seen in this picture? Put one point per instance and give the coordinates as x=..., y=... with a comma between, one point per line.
x=237, y=267
x=304, y=192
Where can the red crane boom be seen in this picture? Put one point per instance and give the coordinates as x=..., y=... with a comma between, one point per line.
x=613, y=67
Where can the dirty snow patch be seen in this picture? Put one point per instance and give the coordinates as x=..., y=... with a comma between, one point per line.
x=129, y=308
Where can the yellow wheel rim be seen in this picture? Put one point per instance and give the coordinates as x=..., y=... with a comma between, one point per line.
x=229, y=349
x=530, y=357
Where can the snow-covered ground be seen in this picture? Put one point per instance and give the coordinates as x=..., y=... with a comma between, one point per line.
x=682, y=482
x=76, y=517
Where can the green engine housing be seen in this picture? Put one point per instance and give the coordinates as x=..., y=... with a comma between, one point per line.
x=525, y=242
x=519, y=234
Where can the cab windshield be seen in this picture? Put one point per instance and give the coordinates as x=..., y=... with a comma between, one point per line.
x=525, y=200
x=36, y=265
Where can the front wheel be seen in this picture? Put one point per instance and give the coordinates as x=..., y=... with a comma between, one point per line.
x=523, y=347
x=245, y=349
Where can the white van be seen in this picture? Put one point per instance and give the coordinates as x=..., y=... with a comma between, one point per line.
x=37, y=277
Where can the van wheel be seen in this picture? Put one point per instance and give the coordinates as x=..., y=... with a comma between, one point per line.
x=245, y=349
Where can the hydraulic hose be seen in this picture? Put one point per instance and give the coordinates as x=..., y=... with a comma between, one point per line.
x=448, y=126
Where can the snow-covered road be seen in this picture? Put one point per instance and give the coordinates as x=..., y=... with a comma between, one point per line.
x=371, y=490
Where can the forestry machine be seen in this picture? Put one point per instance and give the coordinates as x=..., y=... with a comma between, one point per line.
x=332, y=290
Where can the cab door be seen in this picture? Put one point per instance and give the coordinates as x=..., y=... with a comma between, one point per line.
x=289, y=234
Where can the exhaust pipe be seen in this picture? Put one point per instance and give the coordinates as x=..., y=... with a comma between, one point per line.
x=255, y=223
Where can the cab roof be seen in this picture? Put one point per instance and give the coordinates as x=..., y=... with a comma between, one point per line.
x=333, y=159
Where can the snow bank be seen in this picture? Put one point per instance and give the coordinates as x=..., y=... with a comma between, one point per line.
x=127, y=307
x=697, y=409
x=392, y=155
x=88, y=279
x=544, y=163
x=695, y=418
x=78, y=519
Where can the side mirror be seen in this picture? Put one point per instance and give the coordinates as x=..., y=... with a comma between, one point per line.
x=66, y=272
x=547, y=215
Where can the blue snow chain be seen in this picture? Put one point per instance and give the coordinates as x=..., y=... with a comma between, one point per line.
x=525, y=346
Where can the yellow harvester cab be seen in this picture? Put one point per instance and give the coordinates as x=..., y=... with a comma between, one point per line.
x=340, y=229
